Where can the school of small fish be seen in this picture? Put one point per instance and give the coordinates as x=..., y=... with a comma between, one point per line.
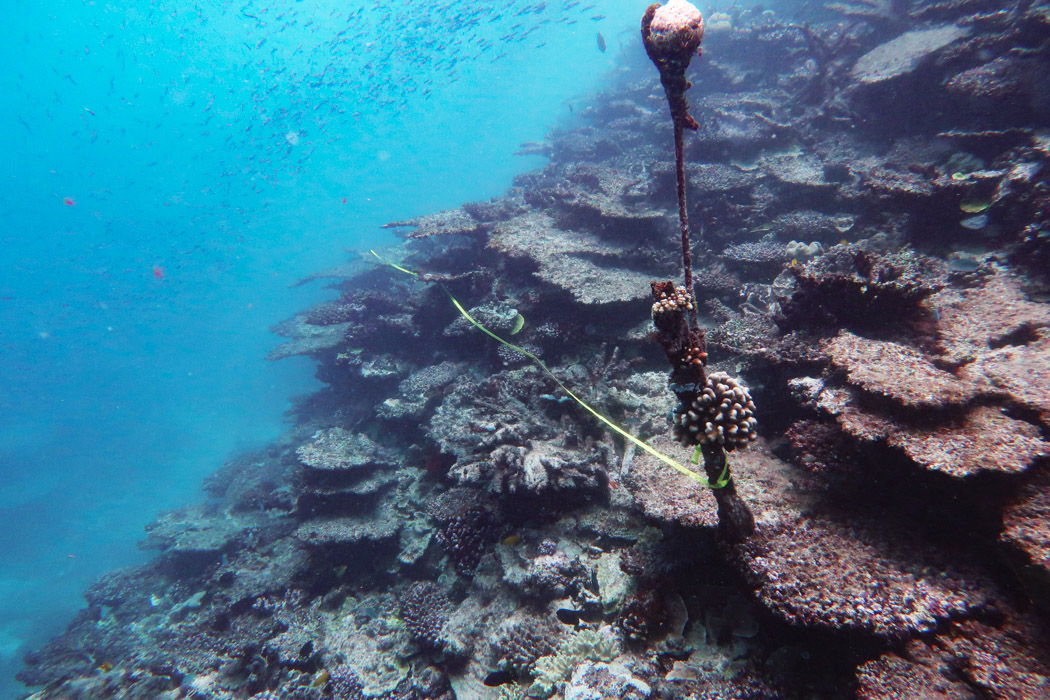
x=307, y=76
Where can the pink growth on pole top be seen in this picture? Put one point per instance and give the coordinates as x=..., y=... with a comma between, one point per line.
x=677, y=27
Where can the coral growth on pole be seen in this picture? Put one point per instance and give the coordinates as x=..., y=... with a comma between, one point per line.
x=672, y=34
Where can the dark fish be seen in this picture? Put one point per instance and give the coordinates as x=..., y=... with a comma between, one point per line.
x=601, y=41
x=568, y=616
x=498, y=678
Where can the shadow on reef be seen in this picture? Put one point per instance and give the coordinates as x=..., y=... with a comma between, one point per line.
x=870, y=198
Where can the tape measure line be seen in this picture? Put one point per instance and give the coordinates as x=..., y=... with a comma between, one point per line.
x=723, y=478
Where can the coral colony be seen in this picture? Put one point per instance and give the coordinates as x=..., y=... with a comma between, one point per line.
x=443, y=522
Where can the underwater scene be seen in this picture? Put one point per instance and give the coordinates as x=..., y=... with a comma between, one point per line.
x=582, y=349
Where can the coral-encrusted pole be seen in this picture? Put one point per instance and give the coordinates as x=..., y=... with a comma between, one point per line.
x=672, y=34
x=714, y=412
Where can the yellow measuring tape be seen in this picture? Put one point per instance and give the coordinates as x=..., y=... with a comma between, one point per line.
x=723, y=478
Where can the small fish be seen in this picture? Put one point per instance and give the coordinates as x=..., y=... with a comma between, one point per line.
x=601, y=41
x=322, y=678
x=105, y=667
x=975, y=223
x=974, y=206
x=511, y=540
x=158, y=272
x=69, y=201
x=498, y=678
x=568, y=616
x=964, y=264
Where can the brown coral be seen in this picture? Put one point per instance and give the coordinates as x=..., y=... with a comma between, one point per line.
x=845, y=573
x=897, y=372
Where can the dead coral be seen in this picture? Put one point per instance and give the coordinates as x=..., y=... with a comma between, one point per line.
x=443, y=223
x=505, y=443
x=339, y=451
x=306, y=338
x=905, y=53
x=590, y=269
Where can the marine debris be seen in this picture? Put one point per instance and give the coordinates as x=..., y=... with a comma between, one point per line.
x=441, y=521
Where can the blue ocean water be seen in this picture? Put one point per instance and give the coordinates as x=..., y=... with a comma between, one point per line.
x=172, y=169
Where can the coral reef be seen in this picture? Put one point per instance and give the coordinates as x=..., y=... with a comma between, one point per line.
x=441, y=520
